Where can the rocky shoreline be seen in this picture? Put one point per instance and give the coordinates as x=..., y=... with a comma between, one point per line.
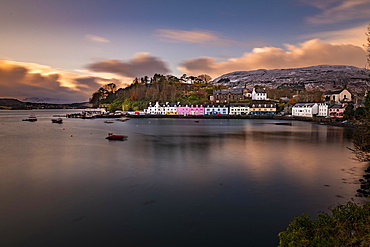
x=364, y=191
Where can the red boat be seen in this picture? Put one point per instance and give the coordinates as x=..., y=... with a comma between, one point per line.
x=116, y=137
x=57, y=120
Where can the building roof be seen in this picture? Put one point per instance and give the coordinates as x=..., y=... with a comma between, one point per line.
x=334, y=91
x=239, y=104
x=337, y=107
x=259, y=90
x=215, y=106
x=227, y=91
x=304, y=105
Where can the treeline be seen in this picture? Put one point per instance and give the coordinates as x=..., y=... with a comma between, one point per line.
x=136, y=96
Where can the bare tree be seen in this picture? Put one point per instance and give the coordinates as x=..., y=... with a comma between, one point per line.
x=361, y=136
x=204, y=78
x=368, y=47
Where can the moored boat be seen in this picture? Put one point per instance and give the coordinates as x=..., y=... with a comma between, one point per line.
x=30, y=119
x=111, y=136
x=123, y=119
x=57, y=120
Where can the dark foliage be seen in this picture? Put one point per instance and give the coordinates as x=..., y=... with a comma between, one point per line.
x=348, y=225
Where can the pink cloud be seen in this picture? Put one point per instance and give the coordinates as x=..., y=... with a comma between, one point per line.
x=21, y=80
x=335, y=11
x=309, y=53
x=141, y=65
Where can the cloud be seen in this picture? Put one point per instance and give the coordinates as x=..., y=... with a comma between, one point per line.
x=141, y=65
x=355, y=35
x=309, y=53
x=335, y=11
x=320, y=4
x=97, y=39
x=196, y=37
x=28, y=80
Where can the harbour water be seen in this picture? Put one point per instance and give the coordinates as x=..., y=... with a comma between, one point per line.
x=173, y=182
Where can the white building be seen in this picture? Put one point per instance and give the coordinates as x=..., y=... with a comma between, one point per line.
x=259, y=94
x=338, y=96
x=247, y=93
x=305, y=109
x=170, y=108
x=153, y=109
x=323, y=109
x=239, y=109
x=161, y=109
x=92, y=111
x=216, y=110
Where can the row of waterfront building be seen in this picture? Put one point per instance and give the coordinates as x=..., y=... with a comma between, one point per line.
x=185, y=109
x=299, y=109
x=318, y=109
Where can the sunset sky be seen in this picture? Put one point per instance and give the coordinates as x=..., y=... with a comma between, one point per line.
x=65, y=50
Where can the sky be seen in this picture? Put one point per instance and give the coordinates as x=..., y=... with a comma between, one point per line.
x=66, y=50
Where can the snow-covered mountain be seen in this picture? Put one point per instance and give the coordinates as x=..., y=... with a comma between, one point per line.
x=321, y=77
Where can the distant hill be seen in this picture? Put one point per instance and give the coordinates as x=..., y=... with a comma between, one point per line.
x=17, y=104
x=13, y=103
x=321, y=77
x=45, y=100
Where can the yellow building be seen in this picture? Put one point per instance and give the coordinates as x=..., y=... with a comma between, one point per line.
x=262, y=109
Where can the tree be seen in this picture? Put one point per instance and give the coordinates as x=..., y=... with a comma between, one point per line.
x=361, y=140
x=110, y=88
x=105, y=94
x=348, y=225
x=95, y=99
x=359, y=113
x=349, y=112
x=292, y=101
x=368, y=46
x=367, y=103
x=204, y=78
x=361, y=135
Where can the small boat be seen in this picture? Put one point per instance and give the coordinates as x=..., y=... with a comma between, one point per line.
x=57, y=120
x=111, y=136
x=89, y=116
x=123, y=119
x=109, y=121
x=30, y=119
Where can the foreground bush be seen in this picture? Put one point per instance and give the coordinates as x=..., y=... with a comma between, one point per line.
x=348, y=225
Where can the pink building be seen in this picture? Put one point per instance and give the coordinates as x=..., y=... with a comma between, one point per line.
x=336, y=111
x=188, y=109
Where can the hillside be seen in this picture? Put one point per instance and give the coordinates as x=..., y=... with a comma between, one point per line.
x=321, y=77
x=12, y=103
x=15, y=104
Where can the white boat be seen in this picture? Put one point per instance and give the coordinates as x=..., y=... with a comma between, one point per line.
x=123, y=119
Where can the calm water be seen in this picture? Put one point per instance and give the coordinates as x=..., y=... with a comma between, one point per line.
x=174, y=182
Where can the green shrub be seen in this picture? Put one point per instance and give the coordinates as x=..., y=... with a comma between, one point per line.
x=348, y=225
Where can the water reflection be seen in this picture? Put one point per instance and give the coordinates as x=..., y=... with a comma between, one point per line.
x=174, y=182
